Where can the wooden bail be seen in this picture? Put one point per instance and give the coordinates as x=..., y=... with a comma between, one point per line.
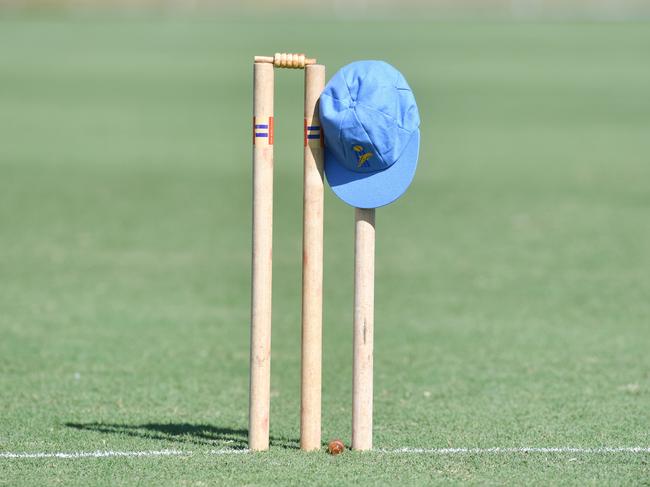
x=286, y=60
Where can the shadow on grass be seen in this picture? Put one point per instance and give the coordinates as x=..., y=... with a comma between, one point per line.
x=197, y=434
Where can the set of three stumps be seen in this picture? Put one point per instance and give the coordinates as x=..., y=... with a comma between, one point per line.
x=362, y=131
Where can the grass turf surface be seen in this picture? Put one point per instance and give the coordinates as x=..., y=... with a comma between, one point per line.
x=512, y=279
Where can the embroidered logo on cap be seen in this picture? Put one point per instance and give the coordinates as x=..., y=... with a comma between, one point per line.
x=362, y=156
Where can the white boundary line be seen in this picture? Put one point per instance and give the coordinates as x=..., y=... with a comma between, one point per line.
x=499, y=450
x=398, y=451
x=95, y=454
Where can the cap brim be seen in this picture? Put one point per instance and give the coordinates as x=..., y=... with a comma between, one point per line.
x=375, y=189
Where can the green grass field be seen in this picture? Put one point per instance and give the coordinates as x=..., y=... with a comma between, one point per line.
x=513, y=278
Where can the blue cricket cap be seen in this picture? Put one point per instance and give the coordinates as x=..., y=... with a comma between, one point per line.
x=372, y=137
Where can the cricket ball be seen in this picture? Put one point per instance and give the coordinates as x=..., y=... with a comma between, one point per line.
x=335, y=447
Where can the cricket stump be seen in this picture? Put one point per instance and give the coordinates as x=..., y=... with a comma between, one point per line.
x=312, y=264
x=260, y=348
x=364, y=296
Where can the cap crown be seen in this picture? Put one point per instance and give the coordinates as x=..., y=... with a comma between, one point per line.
x=368, y=113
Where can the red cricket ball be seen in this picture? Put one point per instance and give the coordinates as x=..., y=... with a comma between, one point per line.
x=335, y=447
